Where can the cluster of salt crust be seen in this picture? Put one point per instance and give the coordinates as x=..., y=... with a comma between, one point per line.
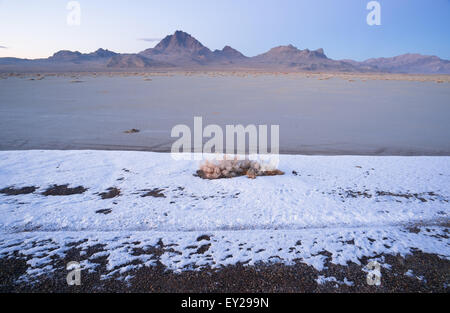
x=233, y=168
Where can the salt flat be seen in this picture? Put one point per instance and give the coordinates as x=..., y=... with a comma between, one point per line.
x=317, y=114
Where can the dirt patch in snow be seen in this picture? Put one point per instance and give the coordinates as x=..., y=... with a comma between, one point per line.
x=204, y=237
x=104, y=211
x=156, y=193
x=63, y=190
x=383, y=195
x=110, y=193
x=11, y=191
x=202, y=249
x=406, y=195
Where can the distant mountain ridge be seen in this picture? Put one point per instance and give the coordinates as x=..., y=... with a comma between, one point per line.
x=182, y=51
x=290, y=57
x=75, y=56
x=411, y=63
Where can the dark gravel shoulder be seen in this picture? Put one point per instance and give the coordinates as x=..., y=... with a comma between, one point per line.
x=418, y=272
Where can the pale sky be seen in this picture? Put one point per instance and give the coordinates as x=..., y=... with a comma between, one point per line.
x=38, y=28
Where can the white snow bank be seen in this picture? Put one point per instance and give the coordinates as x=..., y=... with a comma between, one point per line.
x=328, y=191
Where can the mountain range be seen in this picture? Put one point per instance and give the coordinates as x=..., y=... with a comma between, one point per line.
x=183, y=51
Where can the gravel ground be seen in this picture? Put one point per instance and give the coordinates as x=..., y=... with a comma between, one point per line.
x=418, y=272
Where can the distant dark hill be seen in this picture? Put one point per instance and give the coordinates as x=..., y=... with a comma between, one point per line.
x=180, y=43
x=290, y=57
x=77, y=57
x=288, y=54
x=134, y=61
x=63, y=60
x=102, y=53
x=13, y=61
x=228, y=55
x=182, y=51
x=411, y=63
x=66, y=56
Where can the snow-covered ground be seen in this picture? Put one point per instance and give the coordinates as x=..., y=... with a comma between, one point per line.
x=349, y=206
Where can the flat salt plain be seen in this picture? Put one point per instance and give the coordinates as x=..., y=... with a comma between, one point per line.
x=352, y=207
x=317, y=113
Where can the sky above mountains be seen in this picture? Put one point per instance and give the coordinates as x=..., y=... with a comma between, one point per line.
x=35, y=29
